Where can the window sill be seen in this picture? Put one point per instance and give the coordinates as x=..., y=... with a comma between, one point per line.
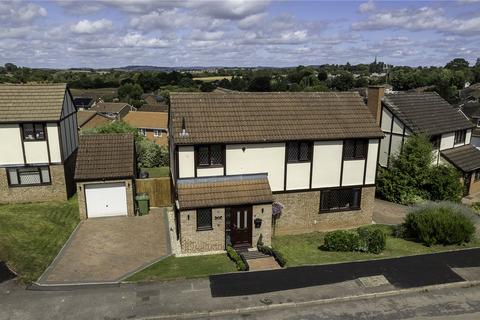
x=205, y=229
x=29, y=185
x=212, y=166
x=351, y=159
x=339, y=210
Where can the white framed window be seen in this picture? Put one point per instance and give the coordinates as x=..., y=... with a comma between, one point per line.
x=157, y=133
x=28, y=176
x=143, y=132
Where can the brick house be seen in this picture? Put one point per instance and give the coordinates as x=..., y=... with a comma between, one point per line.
x=38, y=139
x=152, y=125
x=87, y=119
x=403, y=113
x=233, y=155
x=105, y=175
x=113, y=110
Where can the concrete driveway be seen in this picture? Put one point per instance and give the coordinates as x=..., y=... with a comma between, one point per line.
x=385, y=212
x=110, y=249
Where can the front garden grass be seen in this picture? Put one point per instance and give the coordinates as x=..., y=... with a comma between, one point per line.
x=185, y=267
x=303, y=249
x=32, y=234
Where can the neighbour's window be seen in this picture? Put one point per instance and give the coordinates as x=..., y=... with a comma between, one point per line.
x=211, y=155
x=299, y=151
x=33, y=131
x=435, y=141
x=157, y=133
x=143, y=132
x=477, y=175
x=204, y=219
x=28, y=176
x=340, y=199
x=460, y=136
x=355, y=149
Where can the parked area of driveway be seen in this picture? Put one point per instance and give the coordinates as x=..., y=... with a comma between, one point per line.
x=385, y=212
x=110, y=249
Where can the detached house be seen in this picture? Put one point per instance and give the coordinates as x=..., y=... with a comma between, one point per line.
x=311, y=156
x=113, y=110
x=404, y=113
x=38, y=139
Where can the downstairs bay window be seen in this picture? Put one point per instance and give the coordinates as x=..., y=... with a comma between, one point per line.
x=342, y=199
x=28, y=176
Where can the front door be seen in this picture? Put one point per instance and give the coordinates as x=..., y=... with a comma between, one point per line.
x=241, y=226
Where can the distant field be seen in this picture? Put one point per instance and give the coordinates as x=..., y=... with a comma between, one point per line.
x=95, y=93
x=210, y=79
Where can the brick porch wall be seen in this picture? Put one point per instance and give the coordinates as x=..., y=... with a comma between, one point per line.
x=301, y=213
x=197, y=241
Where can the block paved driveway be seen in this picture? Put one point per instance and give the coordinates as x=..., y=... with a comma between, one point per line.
x=110, y=249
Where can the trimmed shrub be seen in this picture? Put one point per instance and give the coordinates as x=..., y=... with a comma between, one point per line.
x=342, y=240
x=374, y=239
x=274, y=253
x=235, y=257
x=440, y=223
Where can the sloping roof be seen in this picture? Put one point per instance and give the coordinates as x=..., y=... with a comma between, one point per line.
x=426, y=112
x=105, y=156
x=31, y=102
x=114, y=107
x=269, y=116
x=223, y=191
x=471, y=109
x=82, y=102
x=157, y=107
x=147, y=120
x=91, y=119
x=466, y=158
x=83, y=116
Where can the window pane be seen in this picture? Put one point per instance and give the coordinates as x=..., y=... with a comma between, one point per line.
x=12, y=174
x=28, y=133
x=361, y=149
x=304, y=151
x=340, y=199
x=29, y=176
x=203, y=158
x=45, y=175
x=292, y=151
x=349, y=149
x=204, y=218
x=216, y=155
x=39, y=133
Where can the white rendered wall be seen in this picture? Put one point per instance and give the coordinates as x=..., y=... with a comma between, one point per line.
x=298, y=175
x=371, y=161
x=186, y=162
x=208, y=172
x=447, y=141
x=386, y=120
x=36, y=152
x=468, y=137
x=353, y=172
x=54, y=142
x=327, y=163
x=10, y=144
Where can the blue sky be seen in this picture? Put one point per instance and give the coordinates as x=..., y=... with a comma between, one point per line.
x=112, y=33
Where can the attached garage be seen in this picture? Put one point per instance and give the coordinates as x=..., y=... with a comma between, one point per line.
x=105, y=175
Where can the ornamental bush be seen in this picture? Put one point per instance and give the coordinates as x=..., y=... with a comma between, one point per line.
x=342, y=240
x=373, y=238
x=440, y=223
x=235, y=257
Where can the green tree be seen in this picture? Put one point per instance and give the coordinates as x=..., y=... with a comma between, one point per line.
x=129, y=92
x=343, y=82
x=322, y=75
x=457, y=64
x=444, y=184
x=207, y=87
x=260, y=83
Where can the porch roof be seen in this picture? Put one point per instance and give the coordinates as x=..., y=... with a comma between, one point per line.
x=208, y=192
x=466, y=158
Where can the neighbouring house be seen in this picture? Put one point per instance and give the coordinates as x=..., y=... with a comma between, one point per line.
x=472, y=111
x=88, y=119
x=470, y=94
x=152, y=125
x=105, y=175
x=153, y=103
x=38, y=139
x=83, y=103
x=113, y=110
x=235, y=154
x=404, y=113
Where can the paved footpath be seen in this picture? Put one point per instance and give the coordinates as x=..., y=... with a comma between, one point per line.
x=201, y=297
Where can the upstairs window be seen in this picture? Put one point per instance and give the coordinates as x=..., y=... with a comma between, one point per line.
x=299, y=151
x=460, y=136
x=355, y=149
x=28, y=176
x=33, y=131
x=340, y=199
x=143, y=132
x=210, y=156
x=157, y=133
x=204, y=219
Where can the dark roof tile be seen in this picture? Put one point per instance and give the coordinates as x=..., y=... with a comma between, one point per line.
x=466, y=158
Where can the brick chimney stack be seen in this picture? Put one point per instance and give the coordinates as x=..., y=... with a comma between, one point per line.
x=374, y=101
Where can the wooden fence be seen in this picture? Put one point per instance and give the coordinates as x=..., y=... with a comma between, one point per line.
x=158, y=189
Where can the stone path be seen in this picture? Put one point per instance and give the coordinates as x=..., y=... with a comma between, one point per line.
x=109, y=249
x=267, y=263
x=385, y=212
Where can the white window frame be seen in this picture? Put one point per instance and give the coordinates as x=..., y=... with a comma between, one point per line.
x=143, y=132
x=157, y=133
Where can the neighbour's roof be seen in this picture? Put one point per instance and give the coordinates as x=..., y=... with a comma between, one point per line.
x=114, y=107
x=209, y=192
x=147, y=120
x=31, y=102
x=426, y=112
x=90, y=119
x=105, y=156
x=83, y=116
x=269, y=116
x=157, y=107
x=82, y=102
x=466, y=158
x=471, y=109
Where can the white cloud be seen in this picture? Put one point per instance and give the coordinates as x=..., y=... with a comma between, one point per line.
x=91, y=27
x=19, y=12
x=159, y=19
x=367, y=6
x=137, y=40
x=230, y=9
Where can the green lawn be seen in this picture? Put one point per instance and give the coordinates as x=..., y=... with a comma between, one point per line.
x=158, y=172
x=32, y=234
x=185, y=267
x=304, y=249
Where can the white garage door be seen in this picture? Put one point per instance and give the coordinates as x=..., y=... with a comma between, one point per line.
x=106, y=199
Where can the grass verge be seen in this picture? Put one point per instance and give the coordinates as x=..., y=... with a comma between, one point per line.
x=185, y=267
x=32, y=234
x=158, y=172
x=304, y=249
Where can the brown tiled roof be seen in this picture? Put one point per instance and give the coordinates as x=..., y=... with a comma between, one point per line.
x=105, y=156
x=31, y=102
x=208, y=192
x=157, y=107
x=466, y=158
x=147, y=120
x=426, y=112
x=270, y=116
x=83, y=116
x=114, y=107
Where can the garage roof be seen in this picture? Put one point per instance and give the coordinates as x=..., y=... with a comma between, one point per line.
x=466, y=158
x=105, y=157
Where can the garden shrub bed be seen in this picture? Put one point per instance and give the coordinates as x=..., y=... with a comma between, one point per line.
x=365, y=239
x=241, y=264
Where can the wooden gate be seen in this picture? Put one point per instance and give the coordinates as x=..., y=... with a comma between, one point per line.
x=158, y=189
